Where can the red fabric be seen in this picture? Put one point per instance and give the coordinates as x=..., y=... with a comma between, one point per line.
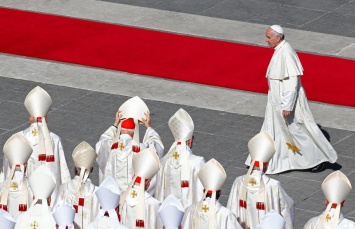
x=260, y=206
x=42, y=157
x=50, y=158
x=114, y=145
x=256, y=164
x=136, y=149
x=139, y=223
x=242, y=204
x=139, y=179
x=76, y=208
x=81, y=201
x=128, y=124
x=184, y=184
x=166, y=55
x=22, y=207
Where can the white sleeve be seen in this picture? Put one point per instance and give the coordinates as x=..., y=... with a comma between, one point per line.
x=289, y=93
x=152, y=139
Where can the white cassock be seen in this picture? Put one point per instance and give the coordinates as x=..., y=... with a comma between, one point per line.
x=104, y=222
x=117, y=163
x=37, y=217
x=343, y=223
x=87, y=213
x=276, y=198
x=129, y=211
x=19, y=191
x=169, y=177
x=286, y=93
x=225, y=219
x=59, y=167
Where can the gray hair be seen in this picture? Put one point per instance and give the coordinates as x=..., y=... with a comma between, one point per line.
x=282, y=36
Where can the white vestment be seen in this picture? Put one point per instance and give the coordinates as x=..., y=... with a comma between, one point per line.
x=117, y=163
x=59, y=167
x=104, y=223
x=129, y=210
x=224, y=218
x=19, y=191
x=343, y=223
x=276, y=198
x=87, y=213
x=286, y=93
x=38, y=217
x=170, y=177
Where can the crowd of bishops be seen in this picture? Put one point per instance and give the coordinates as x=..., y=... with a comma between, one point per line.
x=141, y=184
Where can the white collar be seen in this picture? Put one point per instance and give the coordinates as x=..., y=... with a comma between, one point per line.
x=279, y=45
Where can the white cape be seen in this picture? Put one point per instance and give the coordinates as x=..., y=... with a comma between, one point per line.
x=343, y=223
x=276, y=198
x=224, y=218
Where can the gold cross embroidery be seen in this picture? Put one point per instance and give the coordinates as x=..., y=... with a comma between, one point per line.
x=14, y=185
x=205, y=208
x=252, y=182
x=34, y=132
x=176, y=155
x=328, y=218
x=121, y=146
x=34, y=225
x=133, y=194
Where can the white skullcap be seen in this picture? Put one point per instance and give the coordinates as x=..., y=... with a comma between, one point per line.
x=277, y=28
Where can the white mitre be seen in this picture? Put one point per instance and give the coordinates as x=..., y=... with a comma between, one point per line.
x=146, y=165
x=6, y=220
x=212, y=176
x=42, y=183
x=277, y=28
x=171, y=212
x=272, y=220
x=181, y=126
x=336, y=187
x=17, y=150
x=38, y=102
x=134, y=108
x=64, y=214
x=262, y=149
x=84, y=157
x=108, y=195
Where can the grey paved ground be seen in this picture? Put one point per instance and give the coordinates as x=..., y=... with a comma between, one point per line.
x=79, y=115
x=324, y=16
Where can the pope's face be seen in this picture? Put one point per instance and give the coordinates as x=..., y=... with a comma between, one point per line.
x=271, y=38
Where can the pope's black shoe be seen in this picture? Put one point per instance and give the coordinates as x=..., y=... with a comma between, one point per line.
x=317, y=168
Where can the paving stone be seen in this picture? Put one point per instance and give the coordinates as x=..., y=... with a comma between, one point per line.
x=220, y=135
x=332, y=23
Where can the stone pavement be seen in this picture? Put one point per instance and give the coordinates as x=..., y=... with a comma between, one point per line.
x=323, y=16
x=86, y=99
x=78, y=115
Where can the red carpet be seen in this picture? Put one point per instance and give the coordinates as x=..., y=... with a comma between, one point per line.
x=140, y=51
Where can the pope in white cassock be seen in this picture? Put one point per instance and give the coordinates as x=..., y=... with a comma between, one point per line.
x=179, y=172
x=109, y=198
x=80, y=192
x=336, y=187
x=137, y=208
x=255, y=194
x=6, y=220
x=39, y=215
x=120, y=142
x=16, y=195
x=64, y=215
x=299, y=142
x=47, y=146
x=171, y=212
x=208, y=213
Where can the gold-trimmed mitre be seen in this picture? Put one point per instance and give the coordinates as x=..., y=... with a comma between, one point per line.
x=181, y=125
x=84, y=155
